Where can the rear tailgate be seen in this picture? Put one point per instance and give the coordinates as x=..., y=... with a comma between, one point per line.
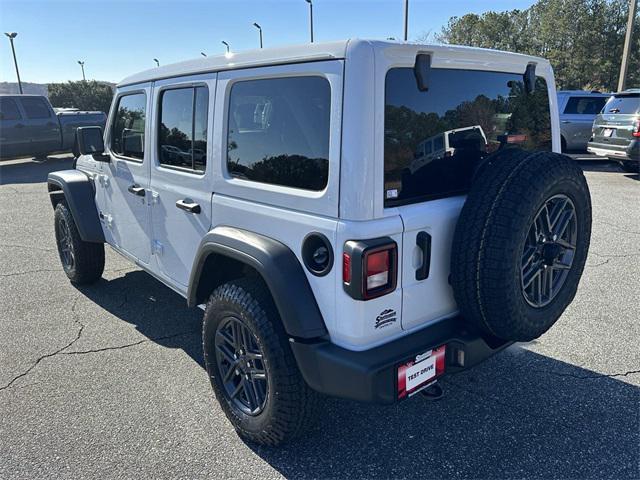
x=613, y=127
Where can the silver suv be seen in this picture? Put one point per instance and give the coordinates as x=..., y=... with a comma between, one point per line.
x=578, y=110
x=287, y=193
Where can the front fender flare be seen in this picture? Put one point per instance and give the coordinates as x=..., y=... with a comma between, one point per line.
x=278, y=266
x=79, y=193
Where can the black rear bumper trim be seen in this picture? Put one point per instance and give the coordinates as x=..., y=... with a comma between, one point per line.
x=371, y=376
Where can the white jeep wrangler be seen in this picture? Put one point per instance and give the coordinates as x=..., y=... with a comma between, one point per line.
x=278, y=190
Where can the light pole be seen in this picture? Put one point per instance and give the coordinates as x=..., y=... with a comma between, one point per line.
x=203, y=54
x=406, y=20
x=82, y=66
x=310, y=18
x=157, y=62
x=626, y=52
x=260, y=30
x=226, y=45
x=11, y=36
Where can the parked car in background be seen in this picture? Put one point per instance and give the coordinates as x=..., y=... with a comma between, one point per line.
x=616, y=131
x=578, y=110
x=30, y=127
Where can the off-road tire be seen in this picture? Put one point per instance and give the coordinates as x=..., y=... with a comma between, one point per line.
x=88, y=264
x=290, y=404
x=506, y=195
x=630, y=166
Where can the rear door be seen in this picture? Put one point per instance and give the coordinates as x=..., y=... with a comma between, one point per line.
x=14, y=140
x=498, y=114
x=181, y=176
x=42, y=125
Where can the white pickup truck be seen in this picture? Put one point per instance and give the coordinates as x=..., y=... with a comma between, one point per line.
x=29, y=126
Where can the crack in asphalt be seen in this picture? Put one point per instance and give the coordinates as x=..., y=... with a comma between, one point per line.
x=53, y=354
x=617, y=227
x=26, y=247
x=61, y=351
x=622, y=255
x=591, y=377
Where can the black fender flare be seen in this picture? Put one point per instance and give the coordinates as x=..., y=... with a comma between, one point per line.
x=279, y=268
x=79, y=193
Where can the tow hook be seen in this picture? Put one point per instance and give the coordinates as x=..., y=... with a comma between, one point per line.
x=433, y=393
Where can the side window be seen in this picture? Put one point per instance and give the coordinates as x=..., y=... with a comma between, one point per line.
x=127, y=131
x=585, y=105
x=9, y=109
x=278, y=131
x=35, y=107
x=182, y=138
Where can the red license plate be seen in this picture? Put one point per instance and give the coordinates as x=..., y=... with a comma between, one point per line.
x=420, y=372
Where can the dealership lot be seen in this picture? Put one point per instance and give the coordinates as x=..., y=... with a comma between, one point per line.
x=107, y=381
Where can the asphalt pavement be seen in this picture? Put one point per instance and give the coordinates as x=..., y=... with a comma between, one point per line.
x=107, y=381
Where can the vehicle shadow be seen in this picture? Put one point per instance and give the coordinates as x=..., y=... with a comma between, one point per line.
x=28, y=170
x=520, y=414
x=600, y=166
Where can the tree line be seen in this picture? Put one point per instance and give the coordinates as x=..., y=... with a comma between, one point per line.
x=583, y=39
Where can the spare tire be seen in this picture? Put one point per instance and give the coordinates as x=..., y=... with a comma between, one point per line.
x=521, y=243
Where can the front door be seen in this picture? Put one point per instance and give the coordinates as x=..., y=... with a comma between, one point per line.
x=181, y=172
x=125, y=181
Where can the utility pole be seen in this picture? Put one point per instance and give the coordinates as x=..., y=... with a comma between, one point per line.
x=82, y=66
x=11, y=36
x=626, y=52
x=310, y=18
x=406, y=20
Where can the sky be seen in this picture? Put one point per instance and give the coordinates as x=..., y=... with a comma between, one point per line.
x=116, y=38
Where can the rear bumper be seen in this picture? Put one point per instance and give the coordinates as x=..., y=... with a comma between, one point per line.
x=371, y=375
x=627, y=152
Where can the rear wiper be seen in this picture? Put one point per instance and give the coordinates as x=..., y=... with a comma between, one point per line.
x=614, y=110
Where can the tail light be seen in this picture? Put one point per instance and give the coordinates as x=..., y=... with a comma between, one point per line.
x=370, y=267
x=636, y=128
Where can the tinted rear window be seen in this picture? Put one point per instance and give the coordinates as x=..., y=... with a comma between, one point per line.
x=585, y=105
x=278, y=131
x=626, y=104
x=35, y=107
x=465, y=115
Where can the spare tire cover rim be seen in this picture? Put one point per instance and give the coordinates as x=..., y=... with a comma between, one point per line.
x=549, y=250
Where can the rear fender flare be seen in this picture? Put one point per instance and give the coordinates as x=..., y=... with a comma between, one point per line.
x=276, y=264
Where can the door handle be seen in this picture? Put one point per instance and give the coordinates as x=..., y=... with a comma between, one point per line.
x=136, y=190
x=188, y=206
x=423, y=241
x=566, y=121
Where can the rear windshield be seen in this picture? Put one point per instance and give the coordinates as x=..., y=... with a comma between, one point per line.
x=628, y=104
x=435, y=139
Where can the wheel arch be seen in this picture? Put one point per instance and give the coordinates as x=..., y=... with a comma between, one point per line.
x=77, y=189
x=227, y=253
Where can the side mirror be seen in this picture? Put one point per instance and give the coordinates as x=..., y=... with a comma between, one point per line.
x=90, y=141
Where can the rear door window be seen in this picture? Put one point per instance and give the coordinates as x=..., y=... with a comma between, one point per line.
x=127, y=132
x=9, y=109
x=182, y=137
x=479, y=112
x=278, y=131
x=624, y=104
x=35, y=107
x=584, y=105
